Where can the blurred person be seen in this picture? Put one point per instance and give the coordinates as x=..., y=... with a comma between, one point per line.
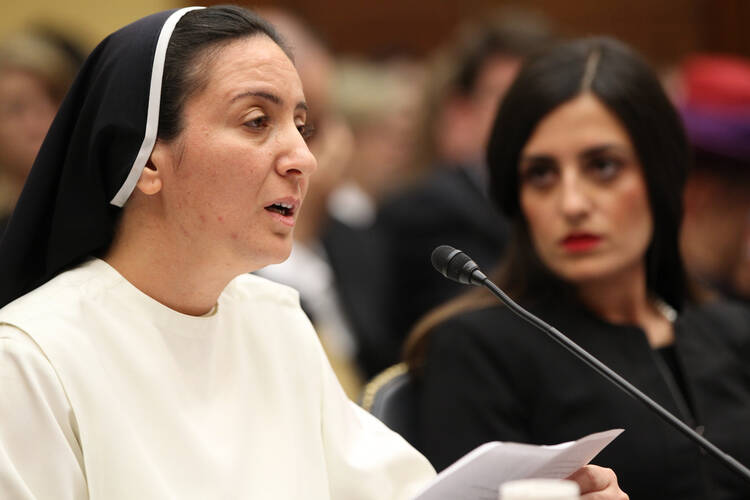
x=381, y=101
x=36, y=70
x=588, y=159
x=451, y=205
x=716, y=229
x=136, y=350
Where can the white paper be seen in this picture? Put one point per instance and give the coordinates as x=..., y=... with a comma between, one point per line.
x=479, y=474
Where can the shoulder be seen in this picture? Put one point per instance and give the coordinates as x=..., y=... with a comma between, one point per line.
x=22, y=361
x=60, y=296
x=441, y=189
x=265, y=306
x=257, y=288
x=721, y=320
x=490, y=329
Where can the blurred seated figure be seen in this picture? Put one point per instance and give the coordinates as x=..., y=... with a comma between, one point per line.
x=450, y=205
x=380, y=101
x=588, y=160
x=715, y=107
x=36, y=69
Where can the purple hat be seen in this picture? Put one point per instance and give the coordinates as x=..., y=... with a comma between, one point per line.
x=716, y=109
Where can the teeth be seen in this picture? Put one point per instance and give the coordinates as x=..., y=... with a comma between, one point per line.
x=285, y=205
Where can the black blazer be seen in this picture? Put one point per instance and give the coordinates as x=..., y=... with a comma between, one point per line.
x=357, y=258
x=491, y=376
x=449, y=207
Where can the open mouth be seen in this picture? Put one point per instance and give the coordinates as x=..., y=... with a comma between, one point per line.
x=285, y=209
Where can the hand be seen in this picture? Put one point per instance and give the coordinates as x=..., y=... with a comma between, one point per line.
x=598, y=483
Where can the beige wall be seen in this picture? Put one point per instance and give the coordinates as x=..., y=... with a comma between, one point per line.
x=86, y=21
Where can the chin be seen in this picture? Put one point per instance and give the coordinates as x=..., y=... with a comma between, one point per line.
x=267, y=256
x=280, y=254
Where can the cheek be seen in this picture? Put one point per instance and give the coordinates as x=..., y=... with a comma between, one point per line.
x=539, y=220
x=632, y=214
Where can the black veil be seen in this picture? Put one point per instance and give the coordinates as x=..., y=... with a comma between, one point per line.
x=90, y=159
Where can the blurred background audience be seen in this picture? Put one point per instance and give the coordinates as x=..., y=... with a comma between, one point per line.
x=451, y=203
x=714, y=100
x=36, y=68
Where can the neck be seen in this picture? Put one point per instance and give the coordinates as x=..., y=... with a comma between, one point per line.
x=166, y=268
x=624, y=299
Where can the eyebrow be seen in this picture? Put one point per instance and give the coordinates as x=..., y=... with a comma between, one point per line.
x=593, y=151
x=606, y=148
x=269, y=97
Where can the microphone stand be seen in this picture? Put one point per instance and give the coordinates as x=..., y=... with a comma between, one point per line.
x=456, y=265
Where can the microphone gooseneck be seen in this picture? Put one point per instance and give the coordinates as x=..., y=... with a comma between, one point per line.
x=457, y=266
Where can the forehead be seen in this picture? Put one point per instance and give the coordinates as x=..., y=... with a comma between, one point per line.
x=256, y=63
x=580, y=122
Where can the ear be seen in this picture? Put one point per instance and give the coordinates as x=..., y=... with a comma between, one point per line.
x=150, y=181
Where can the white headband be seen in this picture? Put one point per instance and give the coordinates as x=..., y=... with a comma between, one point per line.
x=152, y=116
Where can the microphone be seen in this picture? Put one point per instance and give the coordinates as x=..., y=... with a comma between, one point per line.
x=457, y=266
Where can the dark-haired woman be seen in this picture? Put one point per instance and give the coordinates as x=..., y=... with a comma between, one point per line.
x=588, y=158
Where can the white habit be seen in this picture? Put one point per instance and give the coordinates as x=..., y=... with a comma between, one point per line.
x=107, y=394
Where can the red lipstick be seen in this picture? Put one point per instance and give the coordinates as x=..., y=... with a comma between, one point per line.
x=580, y=242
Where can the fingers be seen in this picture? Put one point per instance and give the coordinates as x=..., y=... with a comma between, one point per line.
x=598, y=483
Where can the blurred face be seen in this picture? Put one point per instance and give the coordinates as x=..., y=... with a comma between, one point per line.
x=464, y=126
x=235, y=177
x=493, y=82
x=583, y=194
x=717, y=210
x=26, y=112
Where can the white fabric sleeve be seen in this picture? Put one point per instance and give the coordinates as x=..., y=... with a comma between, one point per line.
x=365, y=459
x=40, y=455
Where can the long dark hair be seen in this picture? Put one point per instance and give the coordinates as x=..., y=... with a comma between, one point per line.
x=628, y=87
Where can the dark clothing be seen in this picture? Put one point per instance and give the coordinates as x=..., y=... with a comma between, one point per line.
x=3, y=224
x=450, y=207
x=356, y=256
x=90, y=160
x=491, y=376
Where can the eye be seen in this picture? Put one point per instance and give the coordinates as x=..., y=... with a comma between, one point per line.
x=306, y=130
x=258, y=123
x=605, y=168
x=539, y=174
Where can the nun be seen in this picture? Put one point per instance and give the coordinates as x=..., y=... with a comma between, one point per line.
x=138, y=358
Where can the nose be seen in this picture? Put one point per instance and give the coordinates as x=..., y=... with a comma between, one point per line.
x=574, y=201
x=296, y=158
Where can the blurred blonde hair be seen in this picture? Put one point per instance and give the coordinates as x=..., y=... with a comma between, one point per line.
x=39, y=55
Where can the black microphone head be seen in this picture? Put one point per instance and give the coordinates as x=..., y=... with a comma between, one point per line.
x=441, y=256
x=456, y=265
